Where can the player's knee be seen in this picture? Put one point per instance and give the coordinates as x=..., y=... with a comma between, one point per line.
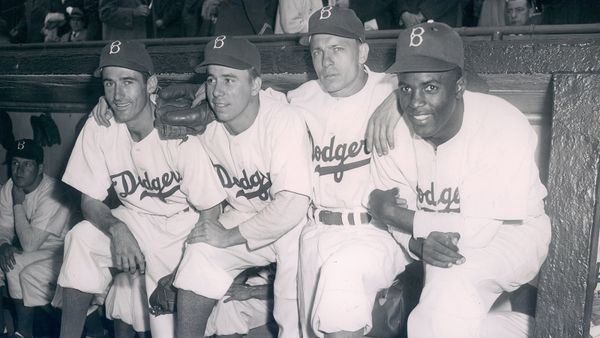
x=80, y=233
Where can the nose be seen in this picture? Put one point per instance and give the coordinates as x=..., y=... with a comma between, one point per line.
x=416, y=99
x=218, y=89
x=118, y=95
x=327, y=60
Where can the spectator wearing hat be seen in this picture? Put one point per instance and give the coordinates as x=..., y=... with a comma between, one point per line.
x=34, y=219
x=78, y=31
x=261, y=151
x=157, y=182
x=472, y=208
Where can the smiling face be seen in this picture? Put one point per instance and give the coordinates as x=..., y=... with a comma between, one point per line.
x=127, y=93
x=339, y=63
x=429, y=102
x=26, y=173
x=233, y=96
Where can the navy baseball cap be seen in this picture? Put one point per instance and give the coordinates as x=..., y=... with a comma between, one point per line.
x=230, y=52
x=126, y=54
x=26, y=148
x=337, y=21
x=428, y=47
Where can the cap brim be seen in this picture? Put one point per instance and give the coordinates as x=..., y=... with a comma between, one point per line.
x=420, y=64
x=223, y=60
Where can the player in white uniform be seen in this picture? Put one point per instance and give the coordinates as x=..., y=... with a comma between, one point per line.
x=345, y=260
x=34, y=219
x=260, y=150
x=159, y=183
x=464, y=164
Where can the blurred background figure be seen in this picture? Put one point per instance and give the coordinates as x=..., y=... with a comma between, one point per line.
x=53, y=25
x=413, y=12
x=377, y=14
x=520, y=13
x=292, y=15
x=124, y=19
x=167, y=18
x=11, y=13
x=239, y=17
x=78, y=32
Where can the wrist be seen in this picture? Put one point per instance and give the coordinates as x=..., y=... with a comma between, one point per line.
x=114, y=228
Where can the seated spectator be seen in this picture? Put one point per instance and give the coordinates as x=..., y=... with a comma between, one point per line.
x=34, y=219
x=413, y=12
x=520, y=13
x=52, y=23
x=123, y=20
x=78, y=32
x=168, y=18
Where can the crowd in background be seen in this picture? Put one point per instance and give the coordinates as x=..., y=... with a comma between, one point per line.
x=84, y=20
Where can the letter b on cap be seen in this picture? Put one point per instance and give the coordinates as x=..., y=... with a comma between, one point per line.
x=325, y=13
x=220, y=41
x=115, y=47
x=416, y=37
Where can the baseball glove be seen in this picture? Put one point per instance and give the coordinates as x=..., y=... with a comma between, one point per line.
x=162, y=300
x=175, y=116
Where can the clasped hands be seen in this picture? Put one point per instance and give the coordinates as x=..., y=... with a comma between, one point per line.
x=438, y=249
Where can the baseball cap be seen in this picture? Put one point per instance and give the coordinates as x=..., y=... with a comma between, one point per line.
x=230, y=52
x=337, y=21
x=428, y=47
x=76, y=12
x=127, y=54
x=26, y=148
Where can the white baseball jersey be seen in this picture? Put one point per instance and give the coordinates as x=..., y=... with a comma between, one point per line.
x=43, y=208
x=152, y=176
x=272, y=155
x=337, y=126
x=484, y=175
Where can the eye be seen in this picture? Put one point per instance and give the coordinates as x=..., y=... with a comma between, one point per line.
x=128, y=82
x=108, y=83
x=210, y=80
x=431, y=88
x=338, y=49
x=229, y=81
x=14, y=163
x=404, y=89
x=316, y=52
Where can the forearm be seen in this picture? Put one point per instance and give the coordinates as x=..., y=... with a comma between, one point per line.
x=98, y=214
x=211, y=213
x=275, y=220
x=31, y=238
x=262, y=292
x=474, y=232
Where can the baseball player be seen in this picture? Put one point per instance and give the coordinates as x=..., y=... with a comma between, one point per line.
x=34, y=219
x=464, y=164
x=158, y=183
x=260, y=150
x=345, y=260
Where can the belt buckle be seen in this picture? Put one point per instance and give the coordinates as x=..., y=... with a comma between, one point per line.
x=325, y=216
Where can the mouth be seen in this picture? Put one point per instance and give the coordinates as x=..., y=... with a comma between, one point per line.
x=219, y=105
x=121, y=106
x=421, y=118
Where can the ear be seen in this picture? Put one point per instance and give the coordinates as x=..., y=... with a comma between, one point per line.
x=40, y=168
x=152, y=84
x=256, y=86
x=363, y=53
x=461, y=86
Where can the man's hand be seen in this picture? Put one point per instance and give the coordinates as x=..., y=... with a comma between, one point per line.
x=159, y=24
x=141, y=10
x=102, y=113
x=440, y=249
x=7, y=257
x=126, y=250
x=381, y=202
x=239, y=292
x=211, y=232
x=380, y=130
x=18, y=195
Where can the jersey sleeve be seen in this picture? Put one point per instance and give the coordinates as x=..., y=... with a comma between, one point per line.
x=291, y=167
x=86, y=170
x=199, y=182
x=51, y=214
x=7, y=221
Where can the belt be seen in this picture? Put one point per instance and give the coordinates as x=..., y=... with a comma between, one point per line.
x=329, y=217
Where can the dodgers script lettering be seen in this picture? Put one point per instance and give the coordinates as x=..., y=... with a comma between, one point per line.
x=339, y=153
x=126, y=183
